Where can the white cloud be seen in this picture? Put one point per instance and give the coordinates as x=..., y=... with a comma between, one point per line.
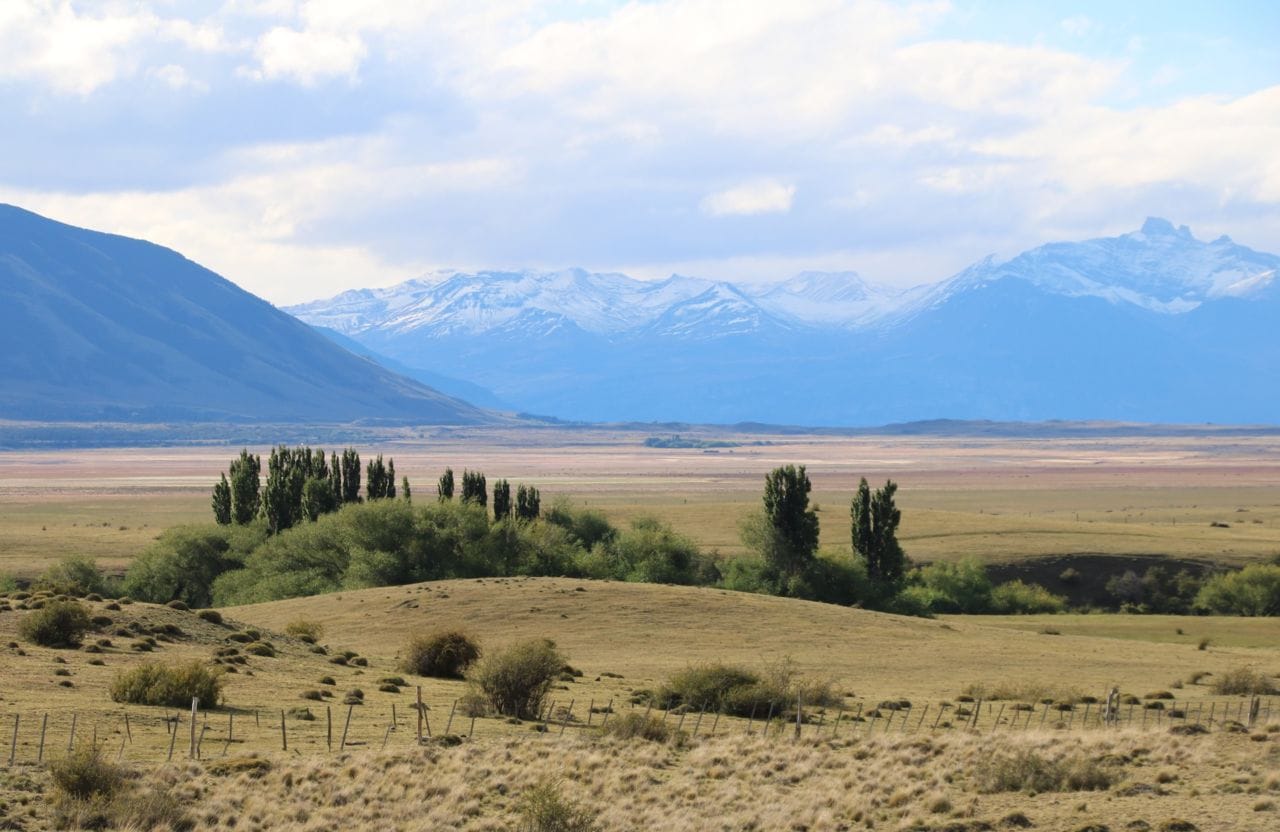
x=176, y=78
x=308, y=56
x=497, y=134
x=762, y=197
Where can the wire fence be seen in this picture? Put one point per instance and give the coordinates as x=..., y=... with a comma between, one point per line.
x=155, y=735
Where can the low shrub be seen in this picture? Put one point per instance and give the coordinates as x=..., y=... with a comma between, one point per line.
x=305, y=630
x=710, y=686
x=1253, y=591
x=1029, y=771
x=444, y=654
x=72, y=575
x=84, y=773
x=516, y=679
x=1018, y=598
x=544, y=809
x=741, y=692
x=176, y=604
x=56, y=624
x=635, y=725
x=212, y=616
x=1244, y=681
x=260, y=648
x=172, y=685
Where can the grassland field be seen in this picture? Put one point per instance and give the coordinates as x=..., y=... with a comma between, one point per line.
x=915, y=773
x=1001, y=500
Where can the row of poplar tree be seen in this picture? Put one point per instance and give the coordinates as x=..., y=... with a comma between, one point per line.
x=303, y=484
x=874, y=519
x=527, y=504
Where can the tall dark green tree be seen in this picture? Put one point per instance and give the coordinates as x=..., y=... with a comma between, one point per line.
x=350, y=476
x=501, y=500
x=404, y=490
x=528, y=503
x=380, y=479
x=245, y=488
x=318, y=497
x=875, y=520
x=444, y=488
x=222, y=501
x=794, y=525
x=474, y=488
x=287, y=470
x=335, y=476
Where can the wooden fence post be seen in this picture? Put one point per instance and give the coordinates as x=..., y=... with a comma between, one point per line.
x=591, y=706
x=13, y=747
x=449, y=724
x=342, y=745
x=284, y=735
x=173, y=738
x=44, y=724
x=420, y=712
x=71, y=742
x=996, y=722
x=127, y=730
x=568, y=713
x=191, y=750
x=328, y=727
x=231, y=727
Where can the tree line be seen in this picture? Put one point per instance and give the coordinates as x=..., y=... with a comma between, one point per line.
x=302, y=484
x=278, y=540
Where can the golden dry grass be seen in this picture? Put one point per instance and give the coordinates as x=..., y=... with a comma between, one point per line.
x=647, y=632
x=735, y=783
x=874, y=774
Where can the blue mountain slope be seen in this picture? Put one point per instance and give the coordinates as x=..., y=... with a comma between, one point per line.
x=96, y=326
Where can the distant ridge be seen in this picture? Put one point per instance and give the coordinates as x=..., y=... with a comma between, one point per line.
x=1151, y=326
x=95, y=326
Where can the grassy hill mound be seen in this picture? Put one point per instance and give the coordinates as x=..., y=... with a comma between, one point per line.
x=646, y=632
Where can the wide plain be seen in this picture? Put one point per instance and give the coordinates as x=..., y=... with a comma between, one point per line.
x=1209, y=498
x=998, y=499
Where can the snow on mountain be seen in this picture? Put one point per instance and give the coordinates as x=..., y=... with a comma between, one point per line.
x=833, y=298
x=1153, y=325
x=1159, y=268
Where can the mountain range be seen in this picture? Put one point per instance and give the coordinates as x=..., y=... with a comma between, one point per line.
x=1153, y=325
x=95, y=326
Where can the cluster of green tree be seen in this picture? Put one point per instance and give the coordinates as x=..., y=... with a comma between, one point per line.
x=786, y=560
x=302, y=484
x=527, y=505
x=394, y=541
x=1156, y=591
x=388, y=542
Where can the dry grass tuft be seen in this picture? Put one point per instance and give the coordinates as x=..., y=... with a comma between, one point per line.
x=1244, y=681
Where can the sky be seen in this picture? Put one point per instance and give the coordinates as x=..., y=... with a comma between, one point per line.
x=304, y=147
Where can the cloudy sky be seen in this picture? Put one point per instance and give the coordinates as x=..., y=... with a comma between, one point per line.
x=301, y=147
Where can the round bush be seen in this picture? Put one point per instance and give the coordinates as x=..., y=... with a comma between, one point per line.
x=56, y=624
x=445, y=654
x=515, y=681
x=172, y=685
